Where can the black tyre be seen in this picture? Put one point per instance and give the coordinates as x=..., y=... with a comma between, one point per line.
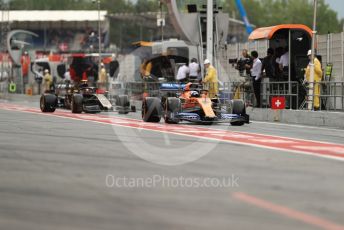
x=151, y=109
x=238, y=107
x=172, y=107
x=124, y=103
x=48, y=103
x=76, y=103
x=67, y=101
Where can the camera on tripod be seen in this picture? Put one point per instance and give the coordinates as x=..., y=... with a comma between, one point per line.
x=240, y=65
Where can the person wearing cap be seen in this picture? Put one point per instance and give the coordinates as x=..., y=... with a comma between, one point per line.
x=318, y=73
x=48, y=80
x=211, y=79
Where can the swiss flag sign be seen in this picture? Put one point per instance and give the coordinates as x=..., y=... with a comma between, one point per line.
x=278, y=103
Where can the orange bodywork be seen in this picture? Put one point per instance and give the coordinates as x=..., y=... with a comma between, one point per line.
x=268, y=32
x=204, y=102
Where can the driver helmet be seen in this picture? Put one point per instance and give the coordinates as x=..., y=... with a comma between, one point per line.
x=195, y=94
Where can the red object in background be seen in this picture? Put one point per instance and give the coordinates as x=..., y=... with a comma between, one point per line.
x=278, y=103
x=25, y=62
x=63, y=46
x=100, y=91
x=55, y=58
x=84, y=76
x=107, y=60
x=72, y=74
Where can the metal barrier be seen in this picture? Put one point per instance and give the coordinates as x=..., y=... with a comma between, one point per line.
x=331, y=96
x=296, y=94
x=289, y=90
x=244, y=90
x=238, y=90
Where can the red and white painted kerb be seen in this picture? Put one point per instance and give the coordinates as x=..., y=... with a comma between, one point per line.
x=309, y=147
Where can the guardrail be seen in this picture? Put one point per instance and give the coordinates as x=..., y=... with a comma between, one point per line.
x=331, y=95
x=289, y=90
x=296, y=93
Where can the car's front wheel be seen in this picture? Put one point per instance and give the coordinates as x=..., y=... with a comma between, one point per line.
x=172, y=107
x=48, y=103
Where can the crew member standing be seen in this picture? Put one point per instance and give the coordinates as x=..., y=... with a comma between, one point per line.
x=25, y=63
x=268, y=65
x=102, y=77
x=284, y=64
x=211, y=79
x=48, y=81
x=194, y=70
x=256, y=74
x=183, y=72
x=318, y=73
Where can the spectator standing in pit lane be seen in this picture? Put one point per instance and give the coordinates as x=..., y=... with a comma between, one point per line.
x=268, y=65
x=183, y=73
x=244, y=63
x=256, y=74
x=284, y=64
x=194, y=70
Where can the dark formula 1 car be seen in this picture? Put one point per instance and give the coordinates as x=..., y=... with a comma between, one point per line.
x=193, y=106
x=78, y=99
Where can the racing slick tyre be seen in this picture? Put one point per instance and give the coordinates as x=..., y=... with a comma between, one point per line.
x=48, y=103
x=66, y=102
x=76, y=103
x=172, y=107
x=238, y=108
x=123, y=102
x=151, y=109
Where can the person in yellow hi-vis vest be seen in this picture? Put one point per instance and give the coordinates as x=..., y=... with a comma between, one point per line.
x=47, y=80
x=211, y=79
x=318, y=74
x=146, y=68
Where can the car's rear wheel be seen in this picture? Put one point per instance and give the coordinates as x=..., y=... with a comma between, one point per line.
x=67, y=104
x=76, y=103
x=172, y=107
x=238, y=108
x=151, y=109
x=48, y=103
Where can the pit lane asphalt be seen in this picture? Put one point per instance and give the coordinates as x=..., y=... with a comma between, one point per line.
x=53, y=172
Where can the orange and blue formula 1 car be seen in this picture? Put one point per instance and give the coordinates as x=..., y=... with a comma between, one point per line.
x=192, y=105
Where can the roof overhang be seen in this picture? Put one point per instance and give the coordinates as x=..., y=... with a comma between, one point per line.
x=268, y=32
x=52, y=15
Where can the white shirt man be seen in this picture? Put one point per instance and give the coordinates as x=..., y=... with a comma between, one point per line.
x=194, y=70
x=67, y=76
x=256, y=70
x=183, y=72
x=256, y=73
x=284, y=60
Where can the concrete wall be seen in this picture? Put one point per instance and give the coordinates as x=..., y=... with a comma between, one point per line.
x=312, y=118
